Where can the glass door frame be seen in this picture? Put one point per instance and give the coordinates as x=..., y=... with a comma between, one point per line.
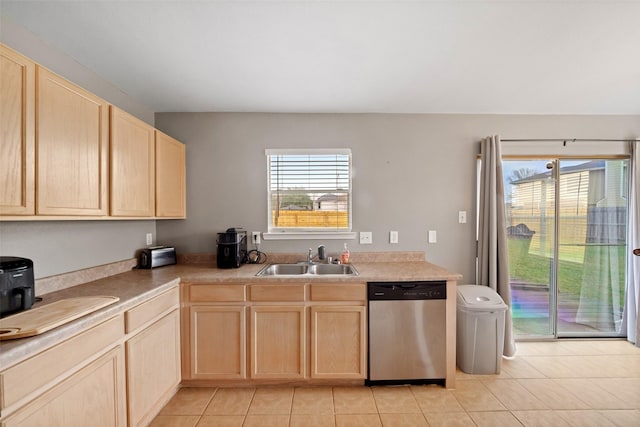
x=554, y=297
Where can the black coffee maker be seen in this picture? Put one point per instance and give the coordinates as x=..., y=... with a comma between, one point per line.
x=16, y=284
x=232, y=248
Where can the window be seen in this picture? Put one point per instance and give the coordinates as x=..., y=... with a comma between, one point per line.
x=309, y=192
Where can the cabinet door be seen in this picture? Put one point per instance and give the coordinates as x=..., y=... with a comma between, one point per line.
x=218, y=342
x=170, y=177
x=338, y=347
x=17, y=145
x=72, y=148
x=153, y=368
x=132, y=166
x=94, y=396
x=278, y=342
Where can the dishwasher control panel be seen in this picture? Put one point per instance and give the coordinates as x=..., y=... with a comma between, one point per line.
x=421, y=290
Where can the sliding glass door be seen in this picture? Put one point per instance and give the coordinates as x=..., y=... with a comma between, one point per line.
x=566, y=228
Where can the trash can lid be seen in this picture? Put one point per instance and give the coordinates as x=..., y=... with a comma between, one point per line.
x=479, y=297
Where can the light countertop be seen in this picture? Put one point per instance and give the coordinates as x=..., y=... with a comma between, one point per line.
x=136, y=286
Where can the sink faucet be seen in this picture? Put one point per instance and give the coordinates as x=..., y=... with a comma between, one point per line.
x=321, y=254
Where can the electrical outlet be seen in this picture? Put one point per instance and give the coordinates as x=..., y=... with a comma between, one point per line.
x=366, y=237
x=432, y=237
x=462, y=217
x=149, y=239
x=255, y=237
x=393, y=237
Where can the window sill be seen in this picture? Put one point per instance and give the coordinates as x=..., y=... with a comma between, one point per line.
x=322, y=235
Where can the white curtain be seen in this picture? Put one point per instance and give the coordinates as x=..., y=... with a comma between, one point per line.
x=633, y=262
x=493, y=263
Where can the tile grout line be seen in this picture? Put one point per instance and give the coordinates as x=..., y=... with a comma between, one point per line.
x=206, y=406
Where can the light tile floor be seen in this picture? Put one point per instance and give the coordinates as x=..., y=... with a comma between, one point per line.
x=559, y=383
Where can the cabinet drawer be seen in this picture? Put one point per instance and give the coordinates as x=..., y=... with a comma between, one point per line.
x=278, y=293
x=217, y=293
x=94, y=396
x=26, y=377
x=338, y=292
x=151, y=309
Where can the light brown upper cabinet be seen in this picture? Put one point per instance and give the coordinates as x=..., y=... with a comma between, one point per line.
x=72, y=146
x=132, y=166
x=17, y=98
x=65, y=153
x=170, y=177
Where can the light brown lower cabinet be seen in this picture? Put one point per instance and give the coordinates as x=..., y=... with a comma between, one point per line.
x=69, y=383
x=153, y=368
x=94, y=396
x=338, y=346
x=274, y=333
x=278, y=336
x=131, y=360
x=217, y=342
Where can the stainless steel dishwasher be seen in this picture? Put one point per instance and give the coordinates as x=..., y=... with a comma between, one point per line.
x=407, y=332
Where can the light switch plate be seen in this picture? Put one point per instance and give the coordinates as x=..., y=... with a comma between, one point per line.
x=393, y=237
x=366, y=237
x=462, y=217
x=255, y=237
x=432, y=236
x=149, y=239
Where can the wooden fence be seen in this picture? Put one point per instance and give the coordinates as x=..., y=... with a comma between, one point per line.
x=310, y=218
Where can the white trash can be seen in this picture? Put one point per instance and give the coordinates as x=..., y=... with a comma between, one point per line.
x=480, y=329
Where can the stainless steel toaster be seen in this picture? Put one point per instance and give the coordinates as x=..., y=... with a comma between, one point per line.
x=156, y=256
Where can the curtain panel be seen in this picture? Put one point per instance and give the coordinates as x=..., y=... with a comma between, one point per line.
x=633, y=242
x=493, y=262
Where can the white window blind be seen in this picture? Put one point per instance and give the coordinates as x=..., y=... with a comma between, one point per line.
x=309, y=190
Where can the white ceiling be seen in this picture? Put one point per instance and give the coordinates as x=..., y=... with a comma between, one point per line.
x=474, y=56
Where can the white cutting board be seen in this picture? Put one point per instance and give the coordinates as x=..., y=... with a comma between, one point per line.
x=42, y=319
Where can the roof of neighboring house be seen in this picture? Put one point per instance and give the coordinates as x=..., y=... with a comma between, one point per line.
x=331, y=197
x=587, y=166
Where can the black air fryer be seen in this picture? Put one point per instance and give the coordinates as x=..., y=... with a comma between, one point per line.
x=232, y=248
x=16, y=284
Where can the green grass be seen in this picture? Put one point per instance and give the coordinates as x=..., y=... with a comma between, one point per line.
x=536, y=270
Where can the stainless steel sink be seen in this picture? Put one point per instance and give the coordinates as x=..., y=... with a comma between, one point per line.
x=283, y=270
x=341, y=269
x=308, y=269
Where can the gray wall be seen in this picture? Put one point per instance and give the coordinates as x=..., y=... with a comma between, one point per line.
x=412, y=173
x=62, y=246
